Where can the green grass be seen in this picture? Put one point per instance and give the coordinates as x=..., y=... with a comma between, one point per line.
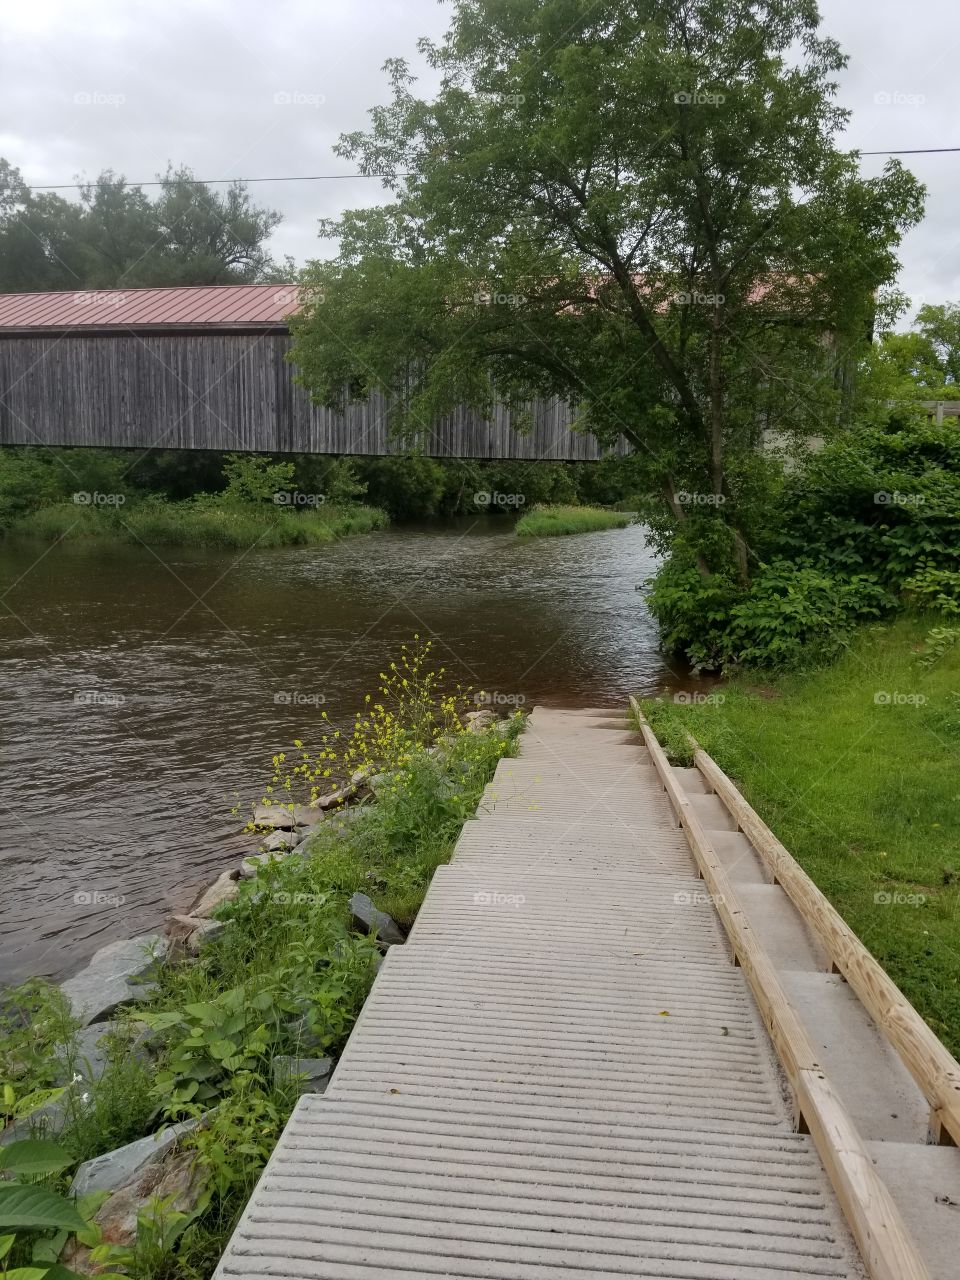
x=208, y=523
x=859, y=778
x=548, y=522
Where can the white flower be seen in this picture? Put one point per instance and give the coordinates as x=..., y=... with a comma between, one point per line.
x=84, y=1097
x=77, y=1078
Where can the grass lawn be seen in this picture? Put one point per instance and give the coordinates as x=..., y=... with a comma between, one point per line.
x=855, y=767
x=546, y=521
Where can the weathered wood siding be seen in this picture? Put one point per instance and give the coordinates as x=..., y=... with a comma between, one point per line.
x=223, y=391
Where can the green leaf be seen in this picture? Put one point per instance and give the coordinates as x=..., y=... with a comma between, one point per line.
x=36, y=1209
x=27, y=1273
x=33, y=1157
x=6, y=1244
x=34, y=1101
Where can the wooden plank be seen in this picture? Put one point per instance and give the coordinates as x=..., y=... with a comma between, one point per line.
x=888, y=1250
x=227, y=390
x=933, y=1067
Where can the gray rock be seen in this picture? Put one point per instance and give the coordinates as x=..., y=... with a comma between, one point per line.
x=224, y=889
x=254, y=861
x=374, y=921
x=174, y=1179
x=45, y=1122
x=106, y=983
x=281, y=818
x=116, y=1168
x=274, y=816
x=278, y=840
x=86, y=1054
x=311, y=1075
x=477, y=721
x=207, y=932
x=333, y=798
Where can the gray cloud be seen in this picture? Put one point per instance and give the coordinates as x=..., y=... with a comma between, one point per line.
x=237, y=88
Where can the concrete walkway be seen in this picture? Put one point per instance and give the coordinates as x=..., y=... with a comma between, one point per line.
x=560, y=1074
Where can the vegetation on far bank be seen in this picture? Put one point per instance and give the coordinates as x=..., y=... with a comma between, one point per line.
x=88, y=494
x=550, y=521
x=240, y=500
x=854, y=766
x=287, y=976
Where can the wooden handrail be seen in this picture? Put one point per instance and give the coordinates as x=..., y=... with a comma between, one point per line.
x=886, y=1245
x=933, y=1067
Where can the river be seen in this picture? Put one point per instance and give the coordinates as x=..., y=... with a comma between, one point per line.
x=144, y=692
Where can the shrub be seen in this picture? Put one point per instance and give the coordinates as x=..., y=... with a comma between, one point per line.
x=794, y=615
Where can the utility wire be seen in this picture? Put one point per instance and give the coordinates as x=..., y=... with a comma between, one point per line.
x=332, y=177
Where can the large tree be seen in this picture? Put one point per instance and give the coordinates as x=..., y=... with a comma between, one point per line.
x=116, y=235
x=639, y=205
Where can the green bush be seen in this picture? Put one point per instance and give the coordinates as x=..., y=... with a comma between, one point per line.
x=866, y=524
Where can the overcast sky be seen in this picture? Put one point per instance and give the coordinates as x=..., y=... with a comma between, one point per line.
x=264, y=87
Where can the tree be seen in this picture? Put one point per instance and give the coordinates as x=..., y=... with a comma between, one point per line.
x=115, y=235
x=639, y=205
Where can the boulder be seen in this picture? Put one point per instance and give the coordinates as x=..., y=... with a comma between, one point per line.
x=311, y=1075
x=477, y=721
x=274, y=816
x=86, y=1054
x=281, y=817
x=170, y=1176
x=46, y=1122
x=367, y=917
x=224, y=889
x=334, y=798
x=278, y=840
x=107, y=983
x=254, y=861
x=115, y=1169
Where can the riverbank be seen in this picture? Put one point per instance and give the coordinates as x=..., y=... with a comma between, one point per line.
x=249, y=995
x=210, y=522
x=557, y=521
x=854, y=767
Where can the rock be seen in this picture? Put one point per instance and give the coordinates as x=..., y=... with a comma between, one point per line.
x=282, y=818
x=333, y=798
x=280, y=840
x=224, y=889
x=371, y=920
x=115, y=1169
x=106, y=983
x=315, y=1072
x=477, y=721
x=179, y=928
x=46, y=1122
x=254, y=861
x=173, y=1178
x=86, y=1054
x=361, y=775
x=307, y=815
x=208, y=931
x=187, y=934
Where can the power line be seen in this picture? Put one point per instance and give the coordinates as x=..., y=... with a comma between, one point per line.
x=209, y=182
x=911, y=151
x=333, y=177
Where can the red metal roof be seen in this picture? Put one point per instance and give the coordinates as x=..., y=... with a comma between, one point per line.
x=252, y=306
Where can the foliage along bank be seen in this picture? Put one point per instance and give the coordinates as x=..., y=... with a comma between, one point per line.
x=217, y=1042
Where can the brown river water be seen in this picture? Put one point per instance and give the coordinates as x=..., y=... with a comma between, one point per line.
x=144, y=692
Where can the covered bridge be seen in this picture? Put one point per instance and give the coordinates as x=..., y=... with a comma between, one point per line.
x=204, y=368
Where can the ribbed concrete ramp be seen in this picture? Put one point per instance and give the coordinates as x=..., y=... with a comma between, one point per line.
x=560, y=1074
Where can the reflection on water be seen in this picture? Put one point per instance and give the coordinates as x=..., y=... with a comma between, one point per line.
x=143, y=692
